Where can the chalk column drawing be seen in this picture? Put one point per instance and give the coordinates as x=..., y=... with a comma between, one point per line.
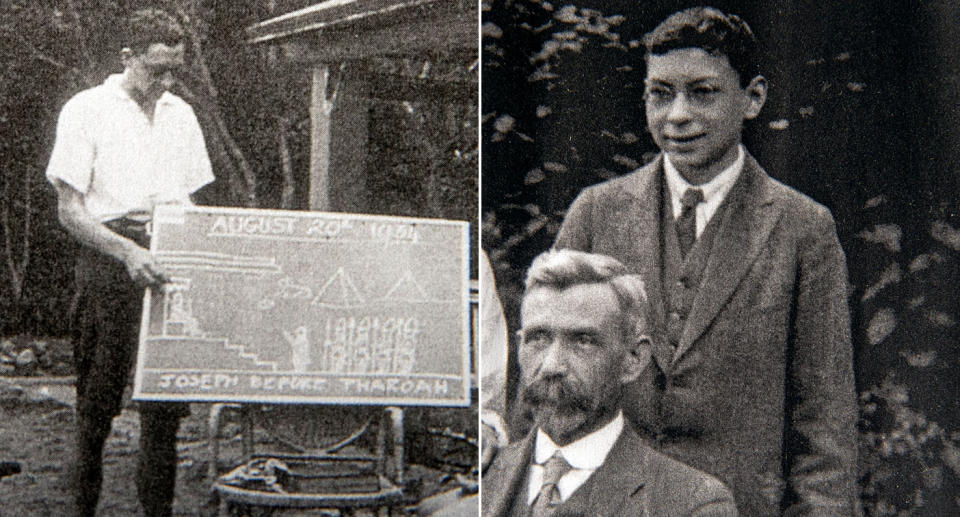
x=178, y=317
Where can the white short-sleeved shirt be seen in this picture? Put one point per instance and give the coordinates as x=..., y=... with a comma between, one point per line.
x=109, y=151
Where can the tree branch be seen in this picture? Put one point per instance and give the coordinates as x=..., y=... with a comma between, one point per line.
x=80, y=30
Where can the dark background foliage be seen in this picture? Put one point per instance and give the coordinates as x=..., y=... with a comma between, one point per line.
x=861, y=116
x=253, y=109
x=421, y=159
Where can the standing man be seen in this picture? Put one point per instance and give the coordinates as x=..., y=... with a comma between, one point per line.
x=122, y=148
x=753, y=379
x=584, y=338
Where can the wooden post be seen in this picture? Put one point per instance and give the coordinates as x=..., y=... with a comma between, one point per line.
x=321, y=107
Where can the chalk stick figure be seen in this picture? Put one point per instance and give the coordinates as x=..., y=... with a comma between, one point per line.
x=300, y=348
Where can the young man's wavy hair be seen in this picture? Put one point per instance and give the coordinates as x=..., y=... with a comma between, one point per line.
x=715, y=32
x=148, y=26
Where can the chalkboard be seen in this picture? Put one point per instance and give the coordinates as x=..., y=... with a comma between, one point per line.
x=306, y=307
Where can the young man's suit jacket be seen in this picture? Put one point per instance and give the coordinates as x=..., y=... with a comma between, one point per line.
x=633, y=481
x=759, y=390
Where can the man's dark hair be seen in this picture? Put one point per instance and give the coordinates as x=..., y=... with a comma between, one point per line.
x=715, y=32
x=148, y=26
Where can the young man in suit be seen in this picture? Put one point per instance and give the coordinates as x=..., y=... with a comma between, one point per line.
x=584, y=337
x=753, y=380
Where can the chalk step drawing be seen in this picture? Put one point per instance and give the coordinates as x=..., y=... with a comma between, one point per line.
x=339, y=292
x=214, y=354
x=250, y=356
x=220, y=262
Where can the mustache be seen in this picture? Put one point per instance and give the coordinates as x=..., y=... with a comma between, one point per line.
x=557, y=391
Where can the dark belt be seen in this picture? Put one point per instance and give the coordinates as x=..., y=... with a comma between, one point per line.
x=131, y=229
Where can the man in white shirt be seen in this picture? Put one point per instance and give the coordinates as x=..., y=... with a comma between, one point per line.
x=122, y=148
x=753, y=377
x=584, y=337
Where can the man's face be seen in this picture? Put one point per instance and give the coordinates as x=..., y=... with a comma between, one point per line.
x=695, y=110
x=152, y=72
x=571, y=358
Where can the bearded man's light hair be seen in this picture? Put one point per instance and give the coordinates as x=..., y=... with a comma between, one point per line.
x=563, y=268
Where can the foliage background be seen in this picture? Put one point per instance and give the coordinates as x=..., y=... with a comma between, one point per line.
x=422, y=156
x=861, y=116
x=253, y=109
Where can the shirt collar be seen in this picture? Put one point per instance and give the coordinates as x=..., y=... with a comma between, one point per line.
x=715, y=188
x=114, y=84
x=588, y=452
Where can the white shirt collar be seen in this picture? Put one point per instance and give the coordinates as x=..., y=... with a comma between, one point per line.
x=115, y=84
x=714, y=191
x=584, y=455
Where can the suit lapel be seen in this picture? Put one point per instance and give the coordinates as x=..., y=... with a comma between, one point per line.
x=501, y=486
x=747, y=222
x=647, y=190
x=616, y=488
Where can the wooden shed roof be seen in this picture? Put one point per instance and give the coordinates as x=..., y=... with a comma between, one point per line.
x=335, y=30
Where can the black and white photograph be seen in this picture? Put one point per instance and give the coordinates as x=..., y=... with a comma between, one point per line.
x=725, y=243
x=239, y=246
x=454, y=258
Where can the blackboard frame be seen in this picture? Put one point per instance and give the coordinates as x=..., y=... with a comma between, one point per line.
x=214, y=381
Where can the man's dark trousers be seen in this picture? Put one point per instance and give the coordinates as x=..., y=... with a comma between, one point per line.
x=106, y=334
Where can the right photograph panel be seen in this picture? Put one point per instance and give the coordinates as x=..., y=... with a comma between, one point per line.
x=720, y=245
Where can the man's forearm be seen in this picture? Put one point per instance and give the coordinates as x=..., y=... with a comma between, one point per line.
x=91, y=232
x=80, y=223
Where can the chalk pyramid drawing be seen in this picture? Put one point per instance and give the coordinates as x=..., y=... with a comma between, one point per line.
x=339, y=293
x=406, y=290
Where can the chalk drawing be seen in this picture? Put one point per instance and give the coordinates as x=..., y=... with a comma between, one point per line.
x=219, y=262
x=339, y=292
x=406, y=289
x=249, y=356
x=178, y=319
x=300, y=348
x=289, y=290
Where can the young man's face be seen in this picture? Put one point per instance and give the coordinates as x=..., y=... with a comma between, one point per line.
x=152, y=72
x=571, y=358
x=695, y=110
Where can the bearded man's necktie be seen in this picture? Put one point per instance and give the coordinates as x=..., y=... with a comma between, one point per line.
x=549, y=496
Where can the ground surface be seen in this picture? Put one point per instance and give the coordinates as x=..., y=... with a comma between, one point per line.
x=36, y=428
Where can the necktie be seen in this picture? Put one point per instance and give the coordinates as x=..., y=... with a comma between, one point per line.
x=687, y=222
x=549, y=496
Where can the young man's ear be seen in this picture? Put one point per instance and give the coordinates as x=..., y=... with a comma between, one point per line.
x=639, y=353
x=126, y=54
x=756, y=95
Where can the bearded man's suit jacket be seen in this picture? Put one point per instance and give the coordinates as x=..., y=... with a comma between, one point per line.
x=758, y=388
x=633, y=481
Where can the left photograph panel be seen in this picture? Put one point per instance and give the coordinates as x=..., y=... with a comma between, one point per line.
x=240, y=261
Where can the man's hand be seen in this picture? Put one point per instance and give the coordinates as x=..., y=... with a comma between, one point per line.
x=75, y=218
x=143, y=269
